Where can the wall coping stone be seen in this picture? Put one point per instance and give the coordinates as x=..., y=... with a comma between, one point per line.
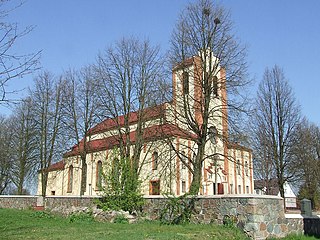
x=299, y=216
x=18, y=196
x=73, y=196
x=256, y=196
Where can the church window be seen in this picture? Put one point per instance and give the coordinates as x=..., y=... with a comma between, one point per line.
x=154, y=188
x=238, y=167
x=85, y=176
x=155, y=160
x=70, y=179
x=185, y=82
x=99, y=175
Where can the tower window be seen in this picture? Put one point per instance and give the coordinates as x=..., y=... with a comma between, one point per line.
x=238, y=167
x=185, y=82
x=215, y=86
x=184, y=160
x=246, y=167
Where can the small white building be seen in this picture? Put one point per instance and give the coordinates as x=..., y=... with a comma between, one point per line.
x=264, y=187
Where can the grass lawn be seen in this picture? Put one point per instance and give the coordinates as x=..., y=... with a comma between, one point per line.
x=23, y=224
x=18, y=224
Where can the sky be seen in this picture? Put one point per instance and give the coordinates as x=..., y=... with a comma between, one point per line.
x=71, y=33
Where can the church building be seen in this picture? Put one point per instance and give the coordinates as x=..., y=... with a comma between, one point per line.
x=165, y=168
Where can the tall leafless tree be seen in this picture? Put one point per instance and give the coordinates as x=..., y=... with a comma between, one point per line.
x=205, y=29
x=277, y=116
x=130, y=74
x=47, y=111
x=12, y=65
x=24, y=153
x=81, y=107
x=307, y=161
x=6, y=152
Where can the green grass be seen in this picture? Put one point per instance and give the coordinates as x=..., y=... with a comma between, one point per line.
x=299, y=237
x=18, y=224
x=23, y=224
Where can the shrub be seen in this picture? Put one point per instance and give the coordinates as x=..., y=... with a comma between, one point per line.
x=177, y=210
x=122, y=186
x=131, y=201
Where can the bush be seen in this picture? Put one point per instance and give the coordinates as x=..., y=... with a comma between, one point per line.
x=131, y=201
x=177, y=210
x=122, y=186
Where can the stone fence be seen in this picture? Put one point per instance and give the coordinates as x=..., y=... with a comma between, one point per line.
x=259, y=216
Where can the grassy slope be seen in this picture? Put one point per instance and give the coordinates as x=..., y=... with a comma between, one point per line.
x=15, y=224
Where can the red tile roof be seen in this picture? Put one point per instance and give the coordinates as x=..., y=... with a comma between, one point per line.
x=151, y=133
x=111, y=123
x=56, y=166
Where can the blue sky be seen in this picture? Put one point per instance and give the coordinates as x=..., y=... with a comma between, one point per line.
x=72, y=32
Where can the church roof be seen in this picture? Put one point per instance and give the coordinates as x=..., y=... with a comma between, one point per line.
x=56, y=166
x=155, y=132
x=112, y=123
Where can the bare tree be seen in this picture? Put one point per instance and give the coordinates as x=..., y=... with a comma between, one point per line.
x=47, y=112
x=6, y=163
x=130, y=74
x=307, y=161
x=277, y=117
x=204, y=30
x=12, y=65
x=81, y=107
x=24, y=155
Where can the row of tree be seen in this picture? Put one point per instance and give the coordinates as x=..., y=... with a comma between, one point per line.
x=60, y=110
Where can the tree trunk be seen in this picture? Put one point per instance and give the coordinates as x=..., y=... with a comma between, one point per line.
x=196, y=180
x=83, y=173
x=197, y=171
x=44, y=180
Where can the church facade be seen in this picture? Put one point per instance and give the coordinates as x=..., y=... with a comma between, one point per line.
x=165, y=168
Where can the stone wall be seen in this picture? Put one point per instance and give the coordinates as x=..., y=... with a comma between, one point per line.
x=63, y=204
x=259, y=216
x=19, y=202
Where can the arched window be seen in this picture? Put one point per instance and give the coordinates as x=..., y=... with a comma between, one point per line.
x=238, y=167
x=70, y=179
x=185, y=82
x=85, y=176
x=215, y=86
x=99, y=175
x=213, y=134
x=155, y=157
